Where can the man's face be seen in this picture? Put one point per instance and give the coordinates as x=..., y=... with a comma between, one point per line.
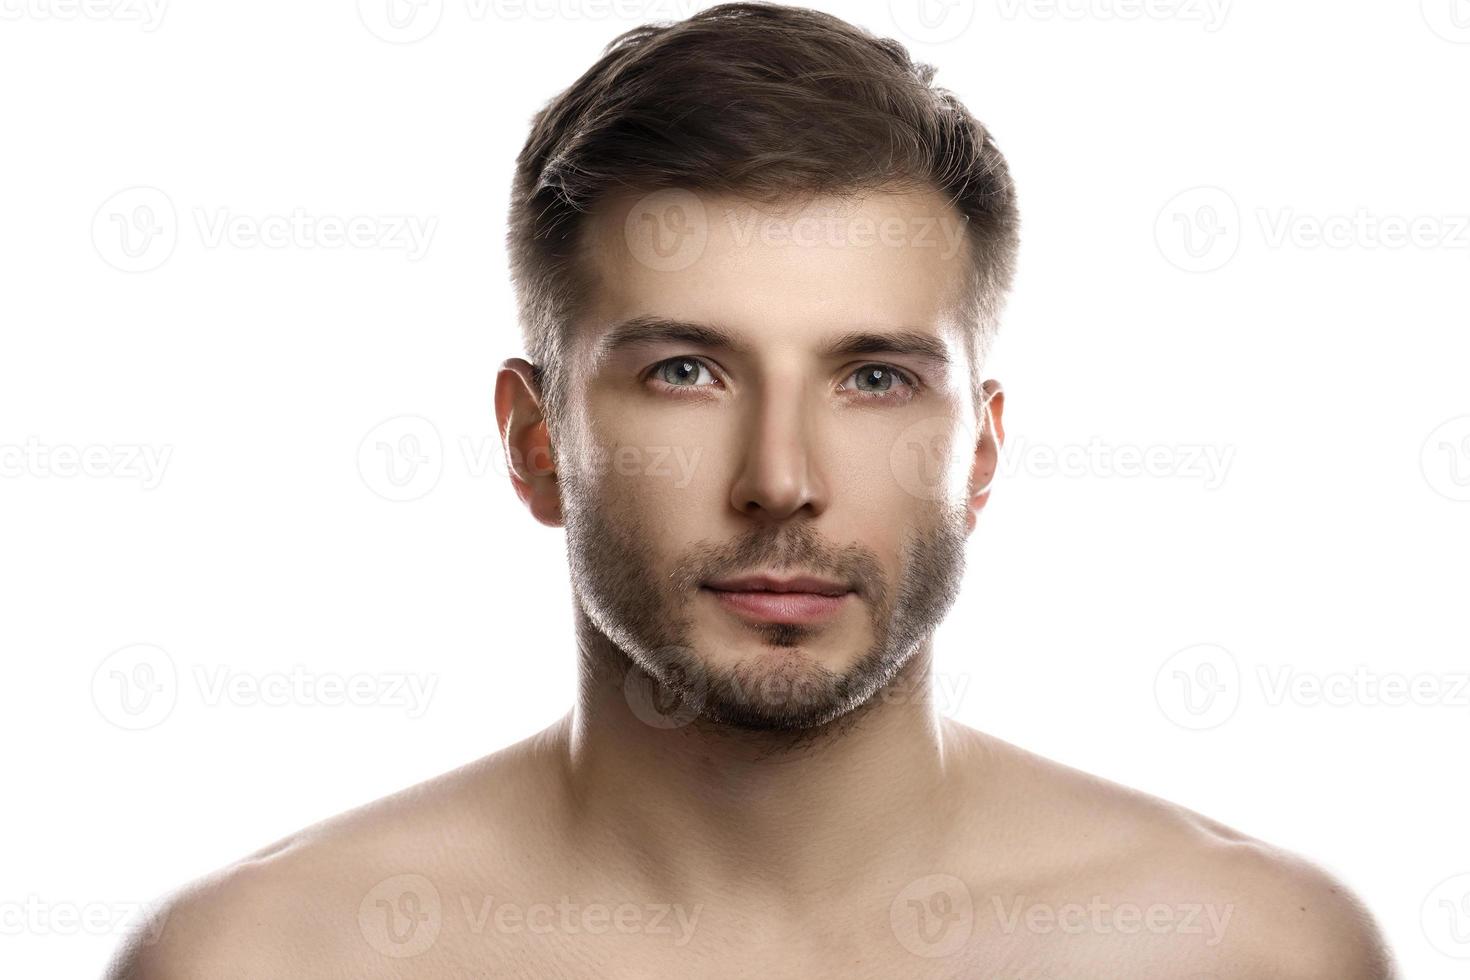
x=684, y=461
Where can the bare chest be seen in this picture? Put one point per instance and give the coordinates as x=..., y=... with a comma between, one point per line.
x=924, y=933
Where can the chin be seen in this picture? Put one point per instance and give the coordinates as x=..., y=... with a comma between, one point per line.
x=776, y=689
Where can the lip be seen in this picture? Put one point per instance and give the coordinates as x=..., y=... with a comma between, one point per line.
x=781, y=607
x=803, y=599
x=808, y=584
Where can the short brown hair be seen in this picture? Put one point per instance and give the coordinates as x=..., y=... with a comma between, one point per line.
x=770, y=102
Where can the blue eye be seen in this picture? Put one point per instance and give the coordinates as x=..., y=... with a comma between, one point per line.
x=878, y=382
x=881, y=378
x=682, y=372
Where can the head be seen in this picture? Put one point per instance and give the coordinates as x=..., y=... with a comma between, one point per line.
x=759, y=261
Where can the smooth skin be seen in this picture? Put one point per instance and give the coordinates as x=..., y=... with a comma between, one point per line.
x=842, y=828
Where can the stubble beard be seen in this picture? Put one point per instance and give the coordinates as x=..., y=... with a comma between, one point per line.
x=630, y=618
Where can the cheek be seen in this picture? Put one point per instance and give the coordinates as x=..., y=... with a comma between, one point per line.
x=663, y=474
x=928, y=461
x=881, y=466
x=672, y=453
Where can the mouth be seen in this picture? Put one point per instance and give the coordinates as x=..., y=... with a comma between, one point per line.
x=807, y=584
x=805, y=599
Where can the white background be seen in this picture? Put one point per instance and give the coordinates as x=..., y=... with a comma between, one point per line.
x=1326, y=373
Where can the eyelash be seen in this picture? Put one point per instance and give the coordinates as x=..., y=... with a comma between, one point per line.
x=904, y=376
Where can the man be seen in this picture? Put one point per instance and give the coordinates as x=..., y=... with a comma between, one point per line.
x=760, y=261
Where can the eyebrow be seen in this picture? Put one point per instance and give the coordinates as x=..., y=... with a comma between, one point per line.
x=647, y=330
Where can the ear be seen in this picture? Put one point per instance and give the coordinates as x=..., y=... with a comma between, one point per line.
x=526, y=439
x=987, y=451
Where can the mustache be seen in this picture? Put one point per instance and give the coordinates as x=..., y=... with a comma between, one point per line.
x=789, y=551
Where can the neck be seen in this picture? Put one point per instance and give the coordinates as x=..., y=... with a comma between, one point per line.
x=791, y=819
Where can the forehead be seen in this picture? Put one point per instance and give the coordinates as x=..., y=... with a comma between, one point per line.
x=777, y=272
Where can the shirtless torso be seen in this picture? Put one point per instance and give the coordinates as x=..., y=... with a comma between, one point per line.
x=1046, y=874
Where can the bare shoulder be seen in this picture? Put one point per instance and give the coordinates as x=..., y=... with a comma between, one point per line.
x=311, y=904
x=1204, y=895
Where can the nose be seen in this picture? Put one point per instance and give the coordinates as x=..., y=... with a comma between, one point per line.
x=779, y=474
